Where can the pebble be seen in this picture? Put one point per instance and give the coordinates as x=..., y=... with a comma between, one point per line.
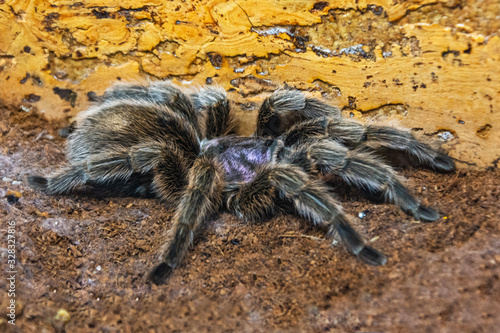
x=62, y=315
x=16, y=182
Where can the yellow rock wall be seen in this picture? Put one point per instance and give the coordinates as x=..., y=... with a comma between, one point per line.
x=432, y=65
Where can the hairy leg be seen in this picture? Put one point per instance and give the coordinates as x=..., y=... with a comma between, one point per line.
x=286, y=107
x=353, y=134
x=362, y=170
x=65, y=181
x=311, y=201
x=214, y=112
x=156, y=92
x=115, y=169
x=200, y=199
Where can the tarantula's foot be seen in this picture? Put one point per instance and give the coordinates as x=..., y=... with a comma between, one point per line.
x=38, y=182
x=372, y=257
x=443, y=163
x=160, y=273
x=426, y=214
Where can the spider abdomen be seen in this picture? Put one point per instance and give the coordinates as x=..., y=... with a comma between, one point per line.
x=239, y=156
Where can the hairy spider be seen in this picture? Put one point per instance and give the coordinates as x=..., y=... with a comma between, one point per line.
x=153, y=139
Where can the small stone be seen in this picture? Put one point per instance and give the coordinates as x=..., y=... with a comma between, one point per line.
x=62, y=315
x=16, y=182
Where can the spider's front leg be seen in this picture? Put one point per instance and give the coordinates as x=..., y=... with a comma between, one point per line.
x=353, y=134
x=362, y=170
x=214, y=112
x=200, y=199
x=286, y=107
x=310, y=199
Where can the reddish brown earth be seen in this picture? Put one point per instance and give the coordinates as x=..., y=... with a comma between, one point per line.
x=89, y=256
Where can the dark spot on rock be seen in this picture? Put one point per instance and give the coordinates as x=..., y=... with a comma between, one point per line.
x=318, y=6
x=96, y=48
x=396, y=82
x=469, y=49
x=76, y=4
x=366, y=84
x=79, y=54
x=334, y=71
x=422, y=85
x=215, y=59
x=377, y=10
x=92, y=96
x=208, y=80
x=66, y=94
x=439, y=67
x=488, y=79
x=369, y=77
x=48, y=21
x=484, y=131
x=31, y=98
x=415, y=87
x=36, y=80
x=351, y=114
x=444, y=54
x=352, y=102
x=434, y=77
x=100, y=14
x=418, y=64
x=118, y=78
x=235, y=241
x=27, y=49
x=461, y=121
x=24, y=79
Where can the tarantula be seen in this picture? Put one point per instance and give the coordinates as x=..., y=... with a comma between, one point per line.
x=153, y=139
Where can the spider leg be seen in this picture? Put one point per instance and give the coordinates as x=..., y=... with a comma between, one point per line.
x=63, y=182
x=157, y=92
x=167, y=163
x=362, y=170
x=113, y=171
x=286, y=107
x=200, y=199
x=311, y=201
x=353, y=134
x=214, y=112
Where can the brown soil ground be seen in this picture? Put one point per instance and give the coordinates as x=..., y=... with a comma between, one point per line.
x=89, y=256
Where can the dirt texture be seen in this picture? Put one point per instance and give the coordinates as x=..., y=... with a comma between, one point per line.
x=81, y=260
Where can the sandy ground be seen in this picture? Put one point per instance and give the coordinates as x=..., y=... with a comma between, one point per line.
x=88, y=256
